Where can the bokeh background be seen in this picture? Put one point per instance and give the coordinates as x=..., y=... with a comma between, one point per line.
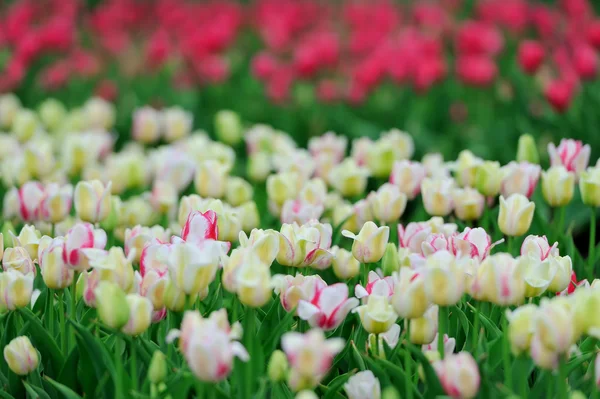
x=455, y=74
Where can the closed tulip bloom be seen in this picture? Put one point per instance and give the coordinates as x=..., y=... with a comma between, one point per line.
x=92, y=201
x=258, y=166
x=328, y=309
x=554, y=326
x=465, y=168
x=444, y=279
x=520, y=329
x=153, y=285
x=9, y=107
x=434, y=243
x=488, y=178
x=377, y=316
x=587, y=320
x=29, y=200
x=542, y=356
x=473, y=243
x=572, y=154
x=137, y=238
x=112, y=265
x=56, y=273
x=99, y=113
x=328, y=143
x=408, y=175
x=558, y=186
x=563, y=266
x=19, y=260
x=499, y=280
x=174, y=298
x=282, y=187
x=376, y=285
x=520, y=178
x=392, y=146
x=424, y=329
x=468, y=203
x=589, y=186
x=56, y=205
x=177, y=123
x=146, y=125
x=140, y=314
x=345, y=265
x=516, y=214
x=437, y=197
x=292, y=289
x=25, y=125
x=306, y=245
x=410, y=298
x=238, y=191
x=163, y=197
x=537, y=274
x=349, y=179
x=254, y=284
x=200, y=226
x=298, y=211
x=228, y=127
x=388, y=203
x=538, y=247
x=248, y=216
x=310, y=356
x=192, y=269
x=15, y=289
x=459, y=375
x=413, y=235
x=112, y=305
x=21, y=356
x=363, y=385
x=80, y=237
x=211, y=179
x=369, y=244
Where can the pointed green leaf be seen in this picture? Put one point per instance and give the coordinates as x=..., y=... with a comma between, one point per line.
x=67, y=392
x=43, y=341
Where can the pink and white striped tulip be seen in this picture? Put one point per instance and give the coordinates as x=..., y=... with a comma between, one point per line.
x=300, y=211
x=538, y=247
x=413, y=235
x=138, y=237
x=409, y=298
x=459, y=375
x=18, y=259
x=146, y=125
x=328, y=308
x=155, y=256
x=201, y=227
x=30, y=197
x=376, y=285
x=521, y=178
x=330, y=144
x=57, y=201
x=92, y=200
x=293, y=289
x=306, y=245
x=310, y=356
x=55, y=271
x=449, y=345
x=369, y=244
x=79, y=237
x=434, y=243
x=475, y=243
x=572, y=154
x=408, y=175
x=437, y=195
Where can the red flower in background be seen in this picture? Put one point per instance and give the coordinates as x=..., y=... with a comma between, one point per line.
x=476, y=70
x=559, y=94
x=531, y=55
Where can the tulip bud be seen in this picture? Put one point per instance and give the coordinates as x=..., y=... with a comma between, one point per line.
x=92, y=201
x=437, y=198
x=377, y=316
x=177, y=123
x=9, y=107
x=228, y=127
x=163, y=197
x=157, y=372
x=111, y=305
x=410, y=298
x=488, y=178
x=15, y=289
x=21, y=356
x=554, y=327
x=516, y=214
x=390, y=393
x=527, y=150
x=388, y=203
x=99, y=113
x=52, y=113
x=282, y=187
x=563, y=267
x=174, y=298
x=278, y=367
x=558, y=186
x=140, y=314
x=211, y=179
x=391, y=261
x=112, y=220
x=259, y=166
x=424, y=329
x=28, y=239
x=345, y=265
x=25, y=125
x=589, y=186
x=370, y=243
x=348, y=178
x=363, y=385
x=238, y=191
x=520, y=329
x=468, y=203
x=572, y=154
x=530, y=56
x=8, y=232
x=254, y=284
x=56, y=273
x=146, y=125
x=459, y=375
x=408, y=175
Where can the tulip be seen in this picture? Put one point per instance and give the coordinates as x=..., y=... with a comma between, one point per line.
x=459, y=375
x=516, y=214
x=390, y=262
x=589, y=186
x=305, y=246
x=499, y=280
x=278, y=366
x=408, y=175
x=18, y=259
x=520, y=178
x=112, y=220
x=146, y=125
x=254, y=284
x=377, y=316
x=29, y=199
x=258, y=167
x=174, y=298
x=177, y=123
x=328, y=143
x=434, y=165
x=465, y=168
x=314, y=192
x=558, y=186
x=137, y=210
x=153, y=286
x=292, y=289
x=22, y=358
x=211, y=179
x=363, y=385
x=15, y=289
x=559, y=94
x=140, y=314
x=298, y=211
x=238, y=191
x=296, y=161
x=409, y=298
x=163, y=197
x=554, y=327
x=80, y=237
x=200, y=226
x=520, y=329
x=376, y=285
x=99, y=113
x=488, y=178
x=348, y=178
x=530, y=55
x=157, y=371
x=191, y=268
x=56, y=205
x=563, y=267
x=369, y=244
x=263, y=243
x=413, y=235
x=424, y=329
x=388, y=203
x=228, y=127
x=468, y=203
x=538, y=275
x=112, y=265
x=391, y=146
x=571, y=154
x=542, y=356
x=437, y=198
x=112, y=305
x=538, y=247
x=137, y=238
x=449, y=345
x=92, y=201
x=282, y=187
x=310, y=356
x=328, y=309
x=55, y=271
x=444, y=279
x=248, y=216
x=25, y=125
x=9, y=108
x=585, y=62
x=52, y=113
x=527, y=152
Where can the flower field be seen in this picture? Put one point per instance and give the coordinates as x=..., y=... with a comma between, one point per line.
x=299, y=199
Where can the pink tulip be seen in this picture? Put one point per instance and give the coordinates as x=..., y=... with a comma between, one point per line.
x=459, y=375
x=328, y=308
x=572, y=154
x=538, y=247
x=79, y=237
x=300, y=212
x=200, y=226
x=475, y=243
x=292, y=289
x=377, y=285
x=413, y=235
x=521, y=178
x=30, y=196
x=434, y=243
x=408, y=175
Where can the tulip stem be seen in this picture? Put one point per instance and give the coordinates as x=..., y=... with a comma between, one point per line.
x=562, y=378
x=133, y=365
x=476, y=321
x=561, y=220
x=442, y=328
x=61, y=318
x=591, y=254
x=506, y=354
x=50, y=309
x=73, y=314
x=407, y=363
x=509, y=244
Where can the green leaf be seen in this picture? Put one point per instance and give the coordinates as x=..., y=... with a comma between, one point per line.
x=6, y=395
x=7, y=335
x=67, y=392
x=336, y=385
x=44, y=342
x=35, y=392
x=464, y=322
x=434, y=387
x=487, y=323
x=275, y=336
x=399, y=375
x=67, y=376
x=180, y=385
x=358, y=357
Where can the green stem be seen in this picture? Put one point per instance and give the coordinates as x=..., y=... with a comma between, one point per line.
x=561, y=220
x=591, y=254
x=563, y=392
x=133, y=365
x=442, y=328
x=509, y=244
x=50, y=308
x=408, y=364
x=506, y=354
x=475, y=336
x=249, y=333
x=73, y=309
x=61, y=318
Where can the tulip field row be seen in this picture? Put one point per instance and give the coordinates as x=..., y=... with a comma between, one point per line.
x=235, y=263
